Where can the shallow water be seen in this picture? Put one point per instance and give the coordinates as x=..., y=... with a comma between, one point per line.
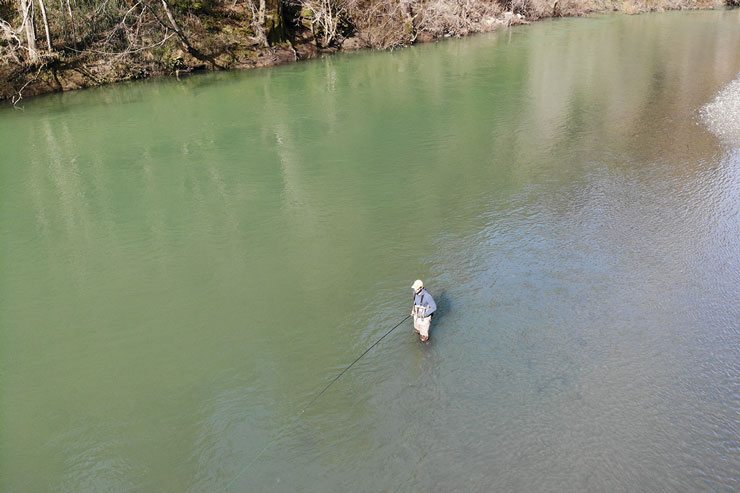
x=185, y=264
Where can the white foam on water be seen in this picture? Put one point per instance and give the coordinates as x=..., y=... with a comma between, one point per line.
x=722, y=115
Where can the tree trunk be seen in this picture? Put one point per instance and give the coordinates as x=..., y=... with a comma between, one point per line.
x=181, y=36
x=64, y=19
x=261, y=22
x=273, y=21
x=46, y=26
x=27, y=13
x=72, y=21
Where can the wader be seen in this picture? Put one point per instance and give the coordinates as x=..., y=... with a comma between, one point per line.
x=421, y=323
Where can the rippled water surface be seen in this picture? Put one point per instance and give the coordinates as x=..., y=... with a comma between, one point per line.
x=185, y=264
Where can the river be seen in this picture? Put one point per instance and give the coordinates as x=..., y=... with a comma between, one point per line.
x=185, y=264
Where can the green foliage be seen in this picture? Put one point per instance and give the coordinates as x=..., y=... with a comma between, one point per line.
x=194, y=6
x=213, y=24
x=168, y=57
x=408, y=28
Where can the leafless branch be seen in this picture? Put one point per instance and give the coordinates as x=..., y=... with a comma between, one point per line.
x=15, y=100
x=125, y=52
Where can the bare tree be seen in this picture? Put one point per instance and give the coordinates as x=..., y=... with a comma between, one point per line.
x=383, y=24
x=324, y=17
x=27, y=13
x=49, y=46
x=172, y=25
x=175, y=27
x=72, y=21
x=11, y=44
x=258, y=21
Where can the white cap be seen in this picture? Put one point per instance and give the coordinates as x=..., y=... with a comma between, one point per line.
x=417, y=284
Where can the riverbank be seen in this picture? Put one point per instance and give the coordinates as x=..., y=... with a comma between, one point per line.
x=140, y=40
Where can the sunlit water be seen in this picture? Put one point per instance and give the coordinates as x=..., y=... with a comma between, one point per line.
x=185, y=264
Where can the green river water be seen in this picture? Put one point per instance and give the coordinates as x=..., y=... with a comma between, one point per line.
x=185, y=264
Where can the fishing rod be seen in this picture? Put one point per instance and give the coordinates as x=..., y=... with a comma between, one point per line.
x=262, y=451
x=352, y=364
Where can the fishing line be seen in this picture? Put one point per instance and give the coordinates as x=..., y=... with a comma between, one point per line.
x=352, y=364
x=262, y=451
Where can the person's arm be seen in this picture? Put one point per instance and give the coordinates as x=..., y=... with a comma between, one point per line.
x=431, y=306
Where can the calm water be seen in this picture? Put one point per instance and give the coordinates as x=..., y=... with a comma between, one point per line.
x=185, y=264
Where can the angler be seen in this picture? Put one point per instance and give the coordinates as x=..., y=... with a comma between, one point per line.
x=424, y=307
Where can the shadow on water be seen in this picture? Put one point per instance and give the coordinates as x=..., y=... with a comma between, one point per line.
x=444, y=304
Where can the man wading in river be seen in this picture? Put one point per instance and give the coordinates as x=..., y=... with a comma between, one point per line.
x=424, y=307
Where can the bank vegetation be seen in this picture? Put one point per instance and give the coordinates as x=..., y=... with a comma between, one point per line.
x=54, y=45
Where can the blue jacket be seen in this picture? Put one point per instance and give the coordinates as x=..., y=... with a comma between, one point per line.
x=425, y=299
